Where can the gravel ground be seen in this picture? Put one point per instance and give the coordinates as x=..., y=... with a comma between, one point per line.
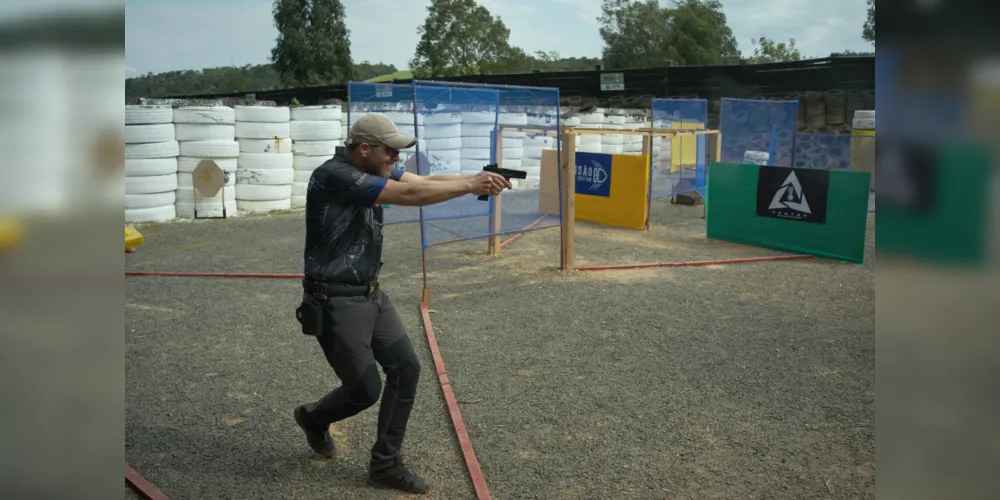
x=747, y=381
x=743, y=381
x=214, y=368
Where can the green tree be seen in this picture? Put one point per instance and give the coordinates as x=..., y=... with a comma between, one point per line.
x=460, y=37
x=313, y=45
x=641, y=33
x=868, y=30
x=767, y=51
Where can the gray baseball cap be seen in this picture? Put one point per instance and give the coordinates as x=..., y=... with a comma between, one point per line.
x=377, y=129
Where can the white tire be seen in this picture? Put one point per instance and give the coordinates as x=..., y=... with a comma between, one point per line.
x=314, y=130
x=268, y=177
x=205, y=132
x=284, y=145
x=863, y=124
x=210, y=149
x=219, y=115
x=263, y=130
x=447, y=144
x=511, y=142
x=154, y=214
x=262, y=192
x=446, y=155
x=206, y=208
x=300, y=188
x=308, y=163
x=168, y=149
x=615, y=119
x=573, y=121
x=186, y=164
x=264, y=161
x=514, y=119
x=256, y=206
x=515, y=164
x=316, y=148
x=150, y=200
x=150, y=166
x=151, y=184
x=262, y=114
x=470, y=142
x=477, y=130
x=595, y=147
x=512, y=153
x=613, y=139
x=301, y=176
x=477, y=117
x=148, y=115
x=445, y=167
x=185, y=180
x=532, y=152
x=476, y=154
x=442, y=131
x=864, y=113
x=612, y=149
x=317, y=113
x=299, y=201
x=532, y=173
x=443, y=118
x=145, y=134
x=590, y=119
x=467, y=164
x=588, y=140
x=530, y=162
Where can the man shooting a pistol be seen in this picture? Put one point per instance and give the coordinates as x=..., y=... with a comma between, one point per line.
x=343, y=305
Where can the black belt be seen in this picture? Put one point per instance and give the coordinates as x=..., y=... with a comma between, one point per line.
x=324, y=290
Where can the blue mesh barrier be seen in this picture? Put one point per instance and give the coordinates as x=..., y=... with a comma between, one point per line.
x=678, y=165
x=823, y=151
x=748, y=125
x=528, y=119
x=396, y=103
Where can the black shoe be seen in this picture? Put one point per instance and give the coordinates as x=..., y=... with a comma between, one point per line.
x=319, y=439
x=399, y=478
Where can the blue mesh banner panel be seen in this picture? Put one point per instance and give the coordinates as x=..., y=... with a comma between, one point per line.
x=825, y=151
x=748, y=125
x=395, y=102
x=460, y=125
x=678, y=165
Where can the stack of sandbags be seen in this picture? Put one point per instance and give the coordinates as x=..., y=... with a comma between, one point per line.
x=206, y=133
x=316, y=134
x=264, y=173
x=150, y=164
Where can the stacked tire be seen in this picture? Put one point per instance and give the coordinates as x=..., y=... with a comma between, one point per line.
x=632, y=144
x=613, y=144
x=206, y=133
x=590, y=143
x=477, y=128
x=443, y=139
x=150, y=164
x=265, y=168
x=512, y=140
x=316, y=132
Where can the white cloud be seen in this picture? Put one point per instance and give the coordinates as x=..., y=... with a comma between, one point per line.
x=164, y=35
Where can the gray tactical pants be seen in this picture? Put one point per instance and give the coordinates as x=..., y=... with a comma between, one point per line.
x=359, y=332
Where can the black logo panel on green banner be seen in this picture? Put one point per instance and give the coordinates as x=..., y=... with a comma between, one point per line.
x=793, y=193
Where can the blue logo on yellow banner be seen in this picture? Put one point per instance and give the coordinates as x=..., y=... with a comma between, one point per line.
x=593, y=174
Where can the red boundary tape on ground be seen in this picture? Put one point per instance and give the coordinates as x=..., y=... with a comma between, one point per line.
x=475, y=473
x=141, y=486
x=514, y=238
x=215, y=275
x=695, y=263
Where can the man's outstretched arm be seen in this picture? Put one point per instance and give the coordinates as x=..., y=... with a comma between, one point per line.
x=410, y=177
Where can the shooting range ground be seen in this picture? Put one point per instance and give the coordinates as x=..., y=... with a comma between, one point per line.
x=702, y=382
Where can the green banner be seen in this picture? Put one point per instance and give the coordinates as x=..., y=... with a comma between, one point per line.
x=802, y=210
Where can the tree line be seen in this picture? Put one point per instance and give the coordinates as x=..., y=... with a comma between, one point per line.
x=461, y=37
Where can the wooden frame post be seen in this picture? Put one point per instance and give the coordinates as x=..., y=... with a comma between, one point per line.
x=496, y=214
x=567, y=177
x=647, y=149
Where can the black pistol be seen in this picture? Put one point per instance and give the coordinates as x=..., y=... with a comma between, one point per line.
x=506, y=172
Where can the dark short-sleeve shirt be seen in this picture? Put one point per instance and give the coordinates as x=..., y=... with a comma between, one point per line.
x=343, y=223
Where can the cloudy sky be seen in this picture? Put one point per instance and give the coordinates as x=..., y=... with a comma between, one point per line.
x=166, y=35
